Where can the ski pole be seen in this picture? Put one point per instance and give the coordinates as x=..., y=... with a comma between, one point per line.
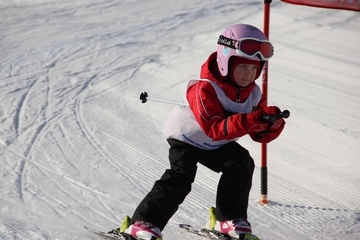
x=144, y=97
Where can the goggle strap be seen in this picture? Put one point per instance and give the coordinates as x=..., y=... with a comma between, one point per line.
x=227, y=42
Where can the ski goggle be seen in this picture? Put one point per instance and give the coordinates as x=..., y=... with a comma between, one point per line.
x=249, y=47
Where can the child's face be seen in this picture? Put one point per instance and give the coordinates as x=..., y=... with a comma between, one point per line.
x=244, y=74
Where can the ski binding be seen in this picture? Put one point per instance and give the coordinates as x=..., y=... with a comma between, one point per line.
x=212, y=234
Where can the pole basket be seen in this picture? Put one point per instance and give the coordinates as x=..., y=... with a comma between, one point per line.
x=143, y=97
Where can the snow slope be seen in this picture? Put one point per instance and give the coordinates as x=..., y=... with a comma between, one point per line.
x=78, y=148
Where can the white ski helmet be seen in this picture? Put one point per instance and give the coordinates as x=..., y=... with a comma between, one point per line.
x=244, y=41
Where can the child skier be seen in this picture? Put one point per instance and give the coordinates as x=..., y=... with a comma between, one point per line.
x=224, y=105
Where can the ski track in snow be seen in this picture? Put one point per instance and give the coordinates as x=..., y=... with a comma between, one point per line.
x=78, y=148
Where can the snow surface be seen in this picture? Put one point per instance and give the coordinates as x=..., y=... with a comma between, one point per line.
x=78, y=148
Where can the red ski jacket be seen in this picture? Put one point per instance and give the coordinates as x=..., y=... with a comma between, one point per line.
x=207, y=108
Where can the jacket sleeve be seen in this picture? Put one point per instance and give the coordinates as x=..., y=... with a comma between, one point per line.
x=210, y=115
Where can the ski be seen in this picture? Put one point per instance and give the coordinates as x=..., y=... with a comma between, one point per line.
x=205, y=232
x=212, y=234
x=113, y=234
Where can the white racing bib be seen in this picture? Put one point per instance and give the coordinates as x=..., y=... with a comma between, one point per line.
x=182, y=125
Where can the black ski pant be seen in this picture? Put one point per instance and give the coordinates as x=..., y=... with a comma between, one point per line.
x=237, y=168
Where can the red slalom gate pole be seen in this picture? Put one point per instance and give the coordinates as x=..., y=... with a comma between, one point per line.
x=264, y=172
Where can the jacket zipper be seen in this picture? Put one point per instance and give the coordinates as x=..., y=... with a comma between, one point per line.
x=237, y=95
